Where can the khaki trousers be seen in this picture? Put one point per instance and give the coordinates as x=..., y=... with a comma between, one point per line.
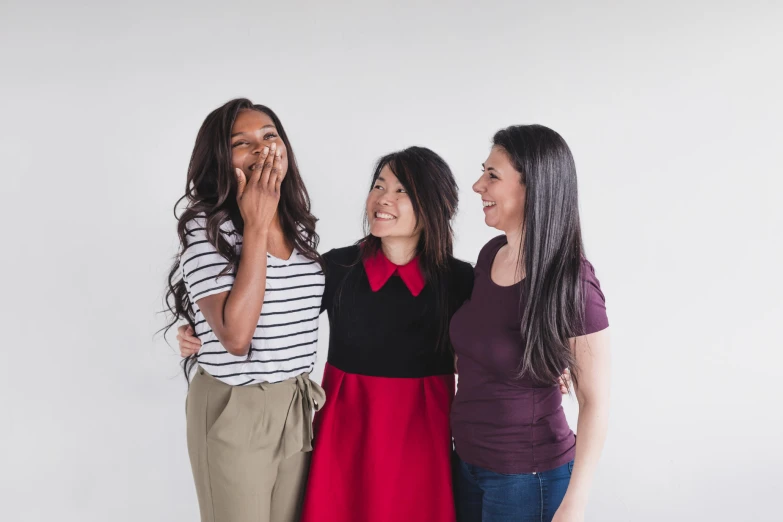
x=250, y=446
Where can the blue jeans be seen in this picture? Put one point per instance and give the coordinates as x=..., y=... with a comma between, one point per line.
x=485, y=496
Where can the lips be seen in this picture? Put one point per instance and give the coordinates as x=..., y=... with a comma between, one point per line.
x=384, y=216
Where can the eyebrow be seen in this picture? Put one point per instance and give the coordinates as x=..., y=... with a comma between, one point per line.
x=490, y=168
x=380, y=178
x=262, y=128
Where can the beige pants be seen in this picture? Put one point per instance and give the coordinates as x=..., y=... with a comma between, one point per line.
x=249, y=447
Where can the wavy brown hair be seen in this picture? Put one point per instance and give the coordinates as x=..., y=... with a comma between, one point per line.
x=211, y=189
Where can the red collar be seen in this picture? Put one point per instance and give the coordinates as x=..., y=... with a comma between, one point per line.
x=379, y=269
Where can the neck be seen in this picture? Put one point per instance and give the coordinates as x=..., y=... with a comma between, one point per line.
x=276, y=238
x=399, y=250
x=515, y=239
x=275, y=225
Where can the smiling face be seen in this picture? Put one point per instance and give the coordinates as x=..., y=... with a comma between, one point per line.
x=389, y=208
x=252, y=131
x=502, y=192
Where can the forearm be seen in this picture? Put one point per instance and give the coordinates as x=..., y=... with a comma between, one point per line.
x=591, y=433
x=244, y=302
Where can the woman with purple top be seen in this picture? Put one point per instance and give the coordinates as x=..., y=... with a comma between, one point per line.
x=536, y=309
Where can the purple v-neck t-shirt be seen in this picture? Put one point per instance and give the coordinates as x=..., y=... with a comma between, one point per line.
x=501, y=422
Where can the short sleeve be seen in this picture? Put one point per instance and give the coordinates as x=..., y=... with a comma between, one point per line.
x=329, y=280
x=337, y=264
x=202, y=265
x=463, y=282
x=595, y=318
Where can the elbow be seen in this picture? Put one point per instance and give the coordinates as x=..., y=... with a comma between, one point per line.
x=238, y=350
x=595, y=405
x=237, y=346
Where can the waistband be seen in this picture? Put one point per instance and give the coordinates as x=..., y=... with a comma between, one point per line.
x=308, y=397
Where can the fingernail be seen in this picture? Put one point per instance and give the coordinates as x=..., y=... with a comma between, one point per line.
x=266, y=150
x=274, y=146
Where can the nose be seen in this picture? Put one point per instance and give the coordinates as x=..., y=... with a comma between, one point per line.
x=478, y=186
x=258, y=146
x=385, y=199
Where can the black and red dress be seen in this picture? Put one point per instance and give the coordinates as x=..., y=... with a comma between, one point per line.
x=382, y=443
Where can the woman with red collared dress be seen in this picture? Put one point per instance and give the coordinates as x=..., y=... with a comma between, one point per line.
x=382, y=440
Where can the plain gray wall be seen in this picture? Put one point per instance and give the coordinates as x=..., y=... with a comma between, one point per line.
x=673, y=112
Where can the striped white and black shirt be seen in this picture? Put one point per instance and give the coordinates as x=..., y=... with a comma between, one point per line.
x=286, y=337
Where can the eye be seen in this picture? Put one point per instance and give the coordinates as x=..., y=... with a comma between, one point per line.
x=378, y=187
x=492, y=176
x=238, y=143
x=270, y=136
x=402, y=190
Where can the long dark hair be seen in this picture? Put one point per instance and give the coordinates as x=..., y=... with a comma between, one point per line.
x=434, y=195
x=551, y=251
x=211, y=189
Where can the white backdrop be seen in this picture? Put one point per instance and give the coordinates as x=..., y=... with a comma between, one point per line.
x=673, y=112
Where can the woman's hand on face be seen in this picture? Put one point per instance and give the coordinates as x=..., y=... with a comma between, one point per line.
x=189, y=344
x=259, y=195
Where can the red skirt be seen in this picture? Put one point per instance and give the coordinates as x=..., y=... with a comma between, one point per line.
x=382, y=450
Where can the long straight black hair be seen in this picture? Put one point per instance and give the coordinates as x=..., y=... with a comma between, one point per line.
x=434, y=196
x=551, y=251
x=211, y=189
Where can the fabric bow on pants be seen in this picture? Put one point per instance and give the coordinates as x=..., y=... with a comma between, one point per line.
x=250, y=447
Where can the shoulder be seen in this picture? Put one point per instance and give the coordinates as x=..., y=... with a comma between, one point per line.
x=336, y=266
x=587, y=274
x=461, y=280
x=595, y=317
x=345, y=256
x=489, y=250
x=197, y=227
x=461, y=271
x=494, y=244
x=339, y=261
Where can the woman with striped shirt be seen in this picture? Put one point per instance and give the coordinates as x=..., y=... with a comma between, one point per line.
x=249, y=282
x=383, y=443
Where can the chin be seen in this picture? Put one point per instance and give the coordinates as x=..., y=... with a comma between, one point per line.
x=493, y=224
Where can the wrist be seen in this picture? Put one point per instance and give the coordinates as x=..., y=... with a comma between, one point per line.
x=574, y=503
x=255, y=231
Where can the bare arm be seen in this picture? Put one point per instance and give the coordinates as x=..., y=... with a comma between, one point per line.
x=593, y=358
x=233, y=315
